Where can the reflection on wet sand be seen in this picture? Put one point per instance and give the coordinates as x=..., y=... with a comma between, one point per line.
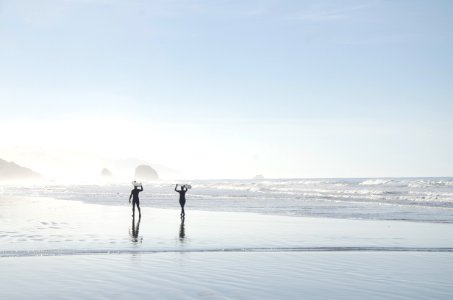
x=134, y=231
x=182, y=231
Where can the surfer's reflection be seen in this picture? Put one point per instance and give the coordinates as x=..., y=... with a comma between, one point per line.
x=182, y=231
x=135, y=230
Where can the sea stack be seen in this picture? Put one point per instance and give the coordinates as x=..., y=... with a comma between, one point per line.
x=145, y=173
x=106, y=174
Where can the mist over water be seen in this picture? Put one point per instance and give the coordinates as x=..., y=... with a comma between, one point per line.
x=410, y=199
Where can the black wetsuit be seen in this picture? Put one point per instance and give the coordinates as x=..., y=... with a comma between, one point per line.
x=135, y=199
x=182, y=198
x=134, y=194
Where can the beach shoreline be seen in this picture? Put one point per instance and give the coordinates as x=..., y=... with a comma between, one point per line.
x=427, y=200
x=33, y=224
x=94, y=251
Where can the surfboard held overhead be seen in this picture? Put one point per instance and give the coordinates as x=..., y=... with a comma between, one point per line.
x=188, y=186
x=136, y=184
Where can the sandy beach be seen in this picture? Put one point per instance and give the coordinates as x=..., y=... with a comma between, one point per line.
x=54, y=249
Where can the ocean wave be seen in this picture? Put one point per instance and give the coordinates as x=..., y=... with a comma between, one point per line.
x=381, y=198
x=375, y=182
x=430, y=183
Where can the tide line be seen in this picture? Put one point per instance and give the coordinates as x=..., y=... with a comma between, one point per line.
x=67, y=252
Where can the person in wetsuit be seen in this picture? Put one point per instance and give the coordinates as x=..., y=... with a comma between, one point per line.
x=135, y=200
x=182, y=198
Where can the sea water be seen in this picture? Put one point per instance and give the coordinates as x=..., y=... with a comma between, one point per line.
x=409, y=199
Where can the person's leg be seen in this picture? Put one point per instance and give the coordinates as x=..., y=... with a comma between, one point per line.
x=138, y=207
x=182, y=203
x=133, y=208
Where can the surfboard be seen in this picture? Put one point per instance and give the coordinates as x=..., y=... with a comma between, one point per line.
x=188, y=186
x=137, y=184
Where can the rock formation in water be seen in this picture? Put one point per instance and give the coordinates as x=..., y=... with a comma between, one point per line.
x=259, y=176
x=10, y=171
x=145, y=172
x=106, y=174
x=127, y=167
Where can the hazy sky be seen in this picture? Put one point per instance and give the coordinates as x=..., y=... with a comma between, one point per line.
x=230, y=89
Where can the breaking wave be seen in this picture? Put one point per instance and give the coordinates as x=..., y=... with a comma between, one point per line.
x=413, y=199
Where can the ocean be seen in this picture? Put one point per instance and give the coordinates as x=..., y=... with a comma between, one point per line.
x=406, y=199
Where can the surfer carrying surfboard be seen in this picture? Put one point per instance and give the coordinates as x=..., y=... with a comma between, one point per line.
x=135, y=200
x=182, y=197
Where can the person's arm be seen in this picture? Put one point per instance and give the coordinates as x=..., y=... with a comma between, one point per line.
x=130, y=198
x=141, y=188
x=176, y=188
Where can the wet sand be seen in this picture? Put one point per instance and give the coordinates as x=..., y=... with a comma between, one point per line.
x=65, y=249
x=232, y=275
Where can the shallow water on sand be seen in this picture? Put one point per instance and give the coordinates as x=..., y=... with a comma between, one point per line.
x=59, y=249
x=295, y=275
x=42, y=226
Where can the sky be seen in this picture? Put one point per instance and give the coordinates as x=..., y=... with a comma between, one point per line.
x=228, y=89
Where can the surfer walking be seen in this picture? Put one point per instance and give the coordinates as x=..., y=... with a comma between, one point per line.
x=182, y=197
x=135, y=199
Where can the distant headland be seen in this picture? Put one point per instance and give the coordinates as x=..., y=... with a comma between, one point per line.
x=10, y=171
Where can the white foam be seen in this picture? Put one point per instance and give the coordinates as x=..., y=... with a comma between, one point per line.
x=418, y=199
